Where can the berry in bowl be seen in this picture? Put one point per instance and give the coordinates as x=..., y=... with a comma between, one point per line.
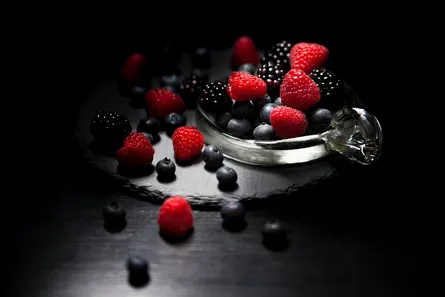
x=290, y=110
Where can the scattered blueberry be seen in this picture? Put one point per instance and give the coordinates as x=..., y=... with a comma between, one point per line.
x=278, y=101
x=320, y=119
x=149, y=137
x=274, y=233
x=223, y=119
x=243, y=110
x=174, y=121
x=165, y=169
x=259, y=103
x=212, y=156
x=171, y=81
x=233, y=211
x=264, y=132
x=114, y=215
x=265, y=112
x=239, y=127
x=149, y=125
x=137, y=265
x=226, y=176
x=248, y=68
x=138, y=92
x=201, y=58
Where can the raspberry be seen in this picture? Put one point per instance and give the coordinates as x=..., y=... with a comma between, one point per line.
x=175, y=217
x=161, y=102
x=288, y=122
x=187, y=143
x=299, y=91
x=244, y=51
x=137, y=151
x=133, y=67
x=308, y=56
x=244, y=87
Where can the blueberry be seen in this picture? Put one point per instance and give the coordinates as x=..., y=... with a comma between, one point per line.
x=274, y=233
x=264, y=132
x=149, y=125
x=148, y=136
x=226, y=176
x=138, y=92
x=233, y=211
x=212, y=156
x=113, y=214
x=201, y=58
x=265, y=112
x=223, y=119
x=239, y=127
x=320, y=119
x=248, y=68
x=243, y=110
x=259, y=103
x=278, y=101
x=165, y=169
x=137, y=265
x=174, y=121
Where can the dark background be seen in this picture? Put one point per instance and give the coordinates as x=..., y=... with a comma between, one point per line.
x=351, y=236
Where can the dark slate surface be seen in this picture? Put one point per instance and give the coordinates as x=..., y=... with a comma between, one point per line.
x=194, y=181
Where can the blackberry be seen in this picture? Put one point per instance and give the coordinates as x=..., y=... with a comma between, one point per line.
x=190, y=88
x=110, y=126
x=273, y=75
x=214, y=97
x=278, y=55
x=330, y=85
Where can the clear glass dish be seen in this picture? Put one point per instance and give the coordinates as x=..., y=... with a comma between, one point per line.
x=354, y=132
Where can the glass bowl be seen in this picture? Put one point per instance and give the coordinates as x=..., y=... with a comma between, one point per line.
x=354, y=133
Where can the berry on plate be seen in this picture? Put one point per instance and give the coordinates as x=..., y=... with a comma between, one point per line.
x=191, y=87
x=165, y=168
x=244, y=51
x=299, y=91
x=265, y=112
x=148, y=136
x=273, y=76
x=149, y=125
x=212, y=156
x=132, y=68
x=214, y=97
x=160, y=102
x=320, y=119
x=187, y=143
x=243, y=110
x=226, y=176
x=332, y=91
x=175, y=217
x=244, y=87
x=288, y=122
x=173, y=121
x=240, y=128
x=308, y=56
x=110, y=126
x=137, y=151
x=223, y=119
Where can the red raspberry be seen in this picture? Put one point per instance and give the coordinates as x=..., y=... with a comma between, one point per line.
x=288, y=122
x=175, y=217
x=160, y=102
x=187, y=142
x=298, y=90
x=244, y=51
x=133, y=67
x=137, y=151
x=244, y=87
x=308, y=56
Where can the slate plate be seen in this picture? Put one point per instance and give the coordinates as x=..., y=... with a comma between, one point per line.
x=194, y=182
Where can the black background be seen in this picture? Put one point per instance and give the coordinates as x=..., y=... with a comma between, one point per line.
x=357, y=229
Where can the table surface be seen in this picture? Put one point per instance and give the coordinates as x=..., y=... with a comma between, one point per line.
x=339, y=246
